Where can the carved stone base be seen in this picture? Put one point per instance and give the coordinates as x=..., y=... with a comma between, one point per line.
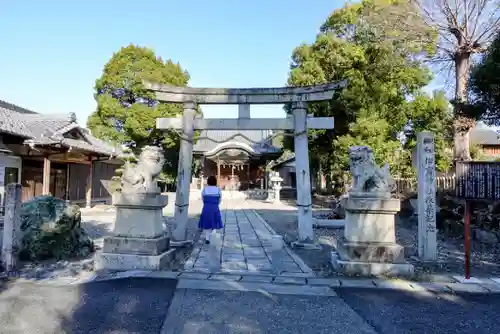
x=371, y=219
x=373, y=269
x=139, y=240
x=137, y=246
x=371, y=252
x=369, y=246
x=139, y=215
x=113, y=261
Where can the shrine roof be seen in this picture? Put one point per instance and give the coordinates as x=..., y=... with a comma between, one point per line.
x=259, y=140
x=49, y=130
x=484, y=136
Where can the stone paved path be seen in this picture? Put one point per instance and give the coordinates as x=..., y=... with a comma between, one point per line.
x=246, y=246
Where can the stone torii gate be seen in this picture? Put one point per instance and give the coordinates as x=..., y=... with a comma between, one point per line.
x=299, y=122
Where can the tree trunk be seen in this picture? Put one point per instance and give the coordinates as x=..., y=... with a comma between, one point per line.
x=329, y=182
x=462, y=123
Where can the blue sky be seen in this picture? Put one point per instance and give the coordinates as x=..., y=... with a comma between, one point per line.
x=53, y=50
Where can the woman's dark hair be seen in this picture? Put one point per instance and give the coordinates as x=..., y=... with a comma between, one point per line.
x=212, y=181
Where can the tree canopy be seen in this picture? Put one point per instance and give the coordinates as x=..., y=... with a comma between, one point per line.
x=383, y=105
x=126, y=112
x=485, y=84
x=464, y=28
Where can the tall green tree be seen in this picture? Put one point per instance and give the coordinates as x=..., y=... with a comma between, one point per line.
x=485, y=84
x=465, y=28
x=126, y=112
x=384, y=73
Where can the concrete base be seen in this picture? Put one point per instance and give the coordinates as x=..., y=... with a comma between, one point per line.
x=181, y=243
x=372, y=268
x=305, y=245
x=136, y=246
x=113, y=261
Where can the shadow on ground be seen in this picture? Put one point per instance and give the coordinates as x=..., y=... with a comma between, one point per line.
x=130, y=305
x=399, y=312
x=228, y=312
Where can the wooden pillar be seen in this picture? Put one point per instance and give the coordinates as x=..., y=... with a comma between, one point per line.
x=88, y=190
x=46, y=177
x=67, y=181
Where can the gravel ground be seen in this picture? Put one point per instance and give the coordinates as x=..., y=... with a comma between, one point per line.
x=485, y=258
x=98, y=223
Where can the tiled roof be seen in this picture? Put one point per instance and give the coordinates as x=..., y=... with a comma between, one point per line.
x=11, y=124
x=253, y=138
x=484, y=136
x=49, y=129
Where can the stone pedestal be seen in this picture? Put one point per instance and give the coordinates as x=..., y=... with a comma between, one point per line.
x=369, y=246
x=140, y=241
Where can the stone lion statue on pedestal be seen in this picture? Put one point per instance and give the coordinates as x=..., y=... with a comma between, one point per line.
x=141, y=178
x=368, y=178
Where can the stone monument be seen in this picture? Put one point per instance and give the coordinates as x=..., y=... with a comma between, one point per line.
x=139, y=238
x=369, y=246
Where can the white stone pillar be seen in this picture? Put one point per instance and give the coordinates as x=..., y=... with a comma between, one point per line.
x=302, y=174
x=427, y=244
x=184, y=176
x=11, y=226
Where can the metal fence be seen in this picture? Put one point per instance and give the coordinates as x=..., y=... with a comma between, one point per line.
x=406, y=185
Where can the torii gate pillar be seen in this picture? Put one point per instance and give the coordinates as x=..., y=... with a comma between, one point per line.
x=303, y=176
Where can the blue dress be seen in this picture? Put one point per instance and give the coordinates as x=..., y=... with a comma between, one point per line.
x=210, y=218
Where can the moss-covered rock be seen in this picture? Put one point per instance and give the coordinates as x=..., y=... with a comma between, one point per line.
x=51, y=228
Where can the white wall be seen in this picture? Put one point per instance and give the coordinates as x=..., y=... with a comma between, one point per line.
x=8, y=161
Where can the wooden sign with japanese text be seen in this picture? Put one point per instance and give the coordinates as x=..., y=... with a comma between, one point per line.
x=478, y=180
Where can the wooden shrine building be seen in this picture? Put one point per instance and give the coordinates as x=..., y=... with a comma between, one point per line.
x=54, y=155
x=236, y=158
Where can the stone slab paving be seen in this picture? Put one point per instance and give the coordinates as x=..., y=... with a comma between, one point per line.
x=246, y=247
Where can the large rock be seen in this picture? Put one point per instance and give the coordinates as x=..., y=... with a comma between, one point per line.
x=51, y=228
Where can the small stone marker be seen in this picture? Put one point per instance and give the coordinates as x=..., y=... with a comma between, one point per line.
x=277, y=245
x=427, y=244
x=215, y=251
x=11, y=227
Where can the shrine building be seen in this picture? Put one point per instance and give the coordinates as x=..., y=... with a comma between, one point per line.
x=236, y=157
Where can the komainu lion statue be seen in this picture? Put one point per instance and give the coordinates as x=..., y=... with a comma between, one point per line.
x=141, y=178
x=368, y=178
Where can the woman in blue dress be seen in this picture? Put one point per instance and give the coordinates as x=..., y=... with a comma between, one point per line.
x=210, y=218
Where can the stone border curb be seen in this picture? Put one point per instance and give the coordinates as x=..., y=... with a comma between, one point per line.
x=269, y=282
x=304, y=267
